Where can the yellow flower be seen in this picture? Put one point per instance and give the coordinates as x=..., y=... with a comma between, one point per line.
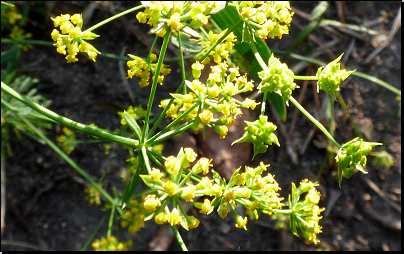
x=55, y=35
x=75, y=32
x=161, y=218
x=66, y=27
x=151, y=202
x=206, y=116
x=241, y=223
x=223, y=211
x=239, y=179
x=170, y=188
x=76, y=19
x=189, y=193
x=206, y=207
x=174, y=22
x=174, y=218
x=156, y=174
x=205, y=183
x=171, y=163
x=91, y=55
x=71, y=59
x=190, y=155
x=193, y=222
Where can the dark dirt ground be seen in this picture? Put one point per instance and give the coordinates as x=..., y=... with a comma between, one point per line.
x=45, y=201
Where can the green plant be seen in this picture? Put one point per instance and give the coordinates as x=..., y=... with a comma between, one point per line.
x=237, y=28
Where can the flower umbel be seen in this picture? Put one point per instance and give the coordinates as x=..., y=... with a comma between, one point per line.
x=72, y=38
x=353, y=155
x=277, y=78
x=260, y=134
x=330, y=77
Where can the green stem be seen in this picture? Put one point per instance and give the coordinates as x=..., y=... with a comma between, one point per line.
x=94, y=131
x=181, y=61
x=66, y=158
x=264, y=100
x=257, y=55
x=179, y=238
x=111, y=220
x=154, y=85
x=168, y=127
x=172, y=133
x=314, y=120
x=115, y=17
x=305, y=77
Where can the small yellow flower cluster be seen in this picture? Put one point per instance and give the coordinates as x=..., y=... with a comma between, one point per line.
x=267, y=18
x=141, y=68
x=16, y=21
x=214, y=96
x=306, y=212
x=133, y=219
x=110, y=244
x=72, y=38
x=12, y=15
x=136, y=113
x=221, y=52
x=67, y=141
x=162, y=15
x=249, y=188
x=93, y=195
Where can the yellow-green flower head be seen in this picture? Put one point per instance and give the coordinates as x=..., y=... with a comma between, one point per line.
x=190, y=155
x=72, y=37
x=330, y=78
x=241, y=223
x=174, y=218
x=161, y=218
x=170, y=188
x=260, y=133
x=277, y=78
x=206, y=207
x=202, y=165
x=350, y=155
x=110, y=244
x=223, y=210
x=133, y=219
x=188, y=193
x=162, y=15
x=172, y=165
x=151, y=202
x=239, y=179
x=156, y=174
x=266, y=18
x=192, y=222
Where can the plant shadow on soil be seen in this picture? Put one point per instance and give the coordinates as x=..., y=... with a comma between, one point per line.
x=46, y=204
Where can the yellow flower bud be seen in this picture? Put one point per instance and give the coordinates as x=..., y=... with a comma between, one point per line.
x=174, y=218
x=206, y=207
x=170, y=188
x=151, y=202
x=161, y=218
x=241, y=223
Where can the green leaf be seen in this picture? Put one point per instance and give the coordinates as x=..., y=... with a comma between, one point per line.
x=278, y=104
x=134, y=182
x=132, y=124
x=245, y=57
x=188, y=44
